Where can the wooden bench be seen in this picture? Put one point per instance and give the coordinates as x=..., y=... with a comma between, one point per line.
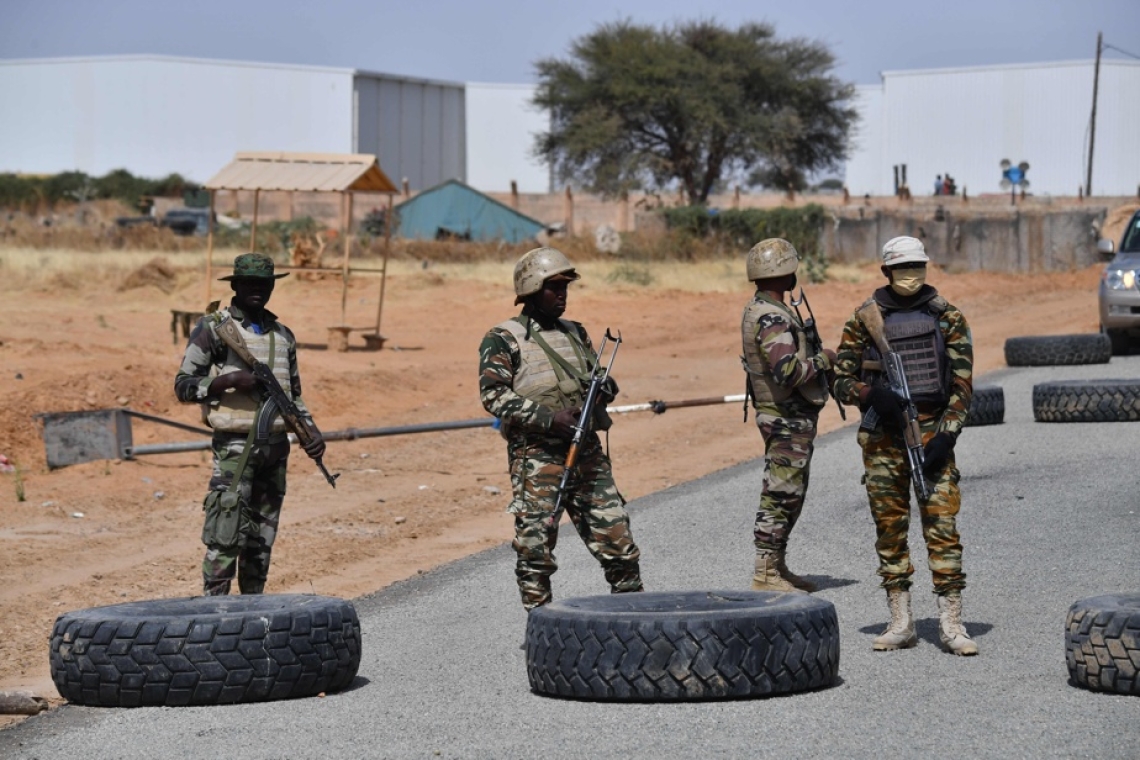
x=338, y=338
x=184, y=319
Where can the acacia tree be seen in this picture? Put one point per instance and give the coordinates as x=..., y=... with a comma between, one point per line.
x=635, y=107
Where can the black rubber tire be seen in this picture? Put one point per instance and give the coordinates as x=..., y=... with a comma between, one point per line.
x=1120, y=341
x=207, y=650
x=1102, y=643
x=1087, y=401
x=1046, y=350
x=682, y=646
x=987, y=407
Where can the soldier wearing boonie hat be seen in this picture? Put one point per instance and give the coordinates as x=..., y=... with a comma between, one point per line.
x=932, y=338
x=247, y=488
x=533, y=372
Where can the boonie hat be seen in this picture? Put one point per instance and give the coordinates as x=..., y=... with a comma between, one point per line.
x=904, y=250
x=254, y=266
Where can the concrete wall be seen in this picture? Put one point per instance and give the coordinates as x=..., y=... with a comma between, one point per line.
x=1015, y=241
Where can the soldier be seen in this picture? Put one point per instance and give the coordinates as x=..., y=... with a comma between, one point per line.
x=533, y=372
x=933, y=341
x=248, y=483
x=788, y=387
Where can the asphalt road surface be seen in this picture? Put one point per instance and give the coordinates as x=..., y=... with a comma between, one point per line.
x=1050, y=516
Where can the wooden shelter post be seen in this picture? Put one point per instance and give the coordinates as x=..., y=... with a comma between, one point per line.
x=384, y=267
x=210, y=247
x=346, y=203
x=253, y=227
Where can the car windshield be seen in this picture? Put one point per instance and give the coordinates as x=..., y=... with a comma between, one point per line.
x=1131, y=242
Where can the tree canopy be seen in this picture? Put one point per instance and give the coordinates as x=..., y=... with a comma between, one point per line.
x=636, y=107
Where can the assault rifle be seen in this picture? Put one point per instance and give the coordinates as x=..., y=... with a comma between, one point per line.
x=896, y=379
x=277, y=401
x=815, y=343
x=598, y=379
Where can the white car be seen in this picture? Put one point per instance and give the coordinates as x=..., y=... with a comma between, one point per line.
x=1119, y=294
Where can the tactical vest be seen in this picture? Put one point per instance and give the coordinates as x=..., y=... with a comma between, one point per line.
x=537, y=377
x=916, y=337
x=235, y=411
x=765, y=390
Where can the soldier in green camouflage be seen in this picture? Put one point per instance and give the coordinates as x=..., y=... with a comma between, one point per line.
x=787, y=387
x=247, y=487
x=933, y=341
x=533, y=371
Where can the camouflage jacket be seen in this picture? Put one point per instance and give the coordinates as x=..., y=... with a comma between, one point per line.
x=959, y=355
x=782, y=374
x=499, y=360
x=205, y=351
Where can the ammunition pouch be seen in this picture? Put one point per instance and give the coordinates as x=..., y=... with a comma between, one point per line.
x=229, y=521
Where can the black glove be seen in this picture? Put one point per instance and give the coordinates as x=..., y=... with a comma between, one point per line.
x=936, y=454
x=888, y=405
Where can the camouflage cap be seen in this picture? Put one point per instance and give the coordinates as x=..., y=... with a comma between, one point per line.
x=256, y=266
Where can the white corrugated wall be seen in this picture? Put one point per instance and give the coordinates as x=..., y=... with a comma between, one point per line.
x=965, y=121
x=153, y=115
x=501, y=128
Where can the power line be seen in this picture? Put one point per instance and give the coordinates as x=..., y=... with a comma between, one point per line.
x=1120, y=50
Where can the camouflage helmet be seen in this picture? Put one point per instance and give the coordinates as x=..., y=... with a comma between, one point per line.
x=773, y=257
x=537, y=266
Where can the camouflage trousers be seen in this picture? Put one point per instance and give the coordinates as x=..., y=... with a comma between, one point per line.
x=788, y=445
x=261, y=492
x=595, y=507
x=889, y=491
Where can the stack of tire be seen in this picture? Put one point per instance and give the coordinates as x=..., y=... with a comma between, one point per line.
x=1075, y=400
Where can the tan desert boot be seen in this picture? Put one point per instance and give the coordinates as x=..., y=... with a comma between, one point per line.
x=767, y=577
x=900, y=631
x=803, y=584
x=950, y=627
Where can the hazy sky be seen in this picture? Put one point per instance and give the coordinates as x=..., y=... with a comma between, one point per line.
x=499, y=40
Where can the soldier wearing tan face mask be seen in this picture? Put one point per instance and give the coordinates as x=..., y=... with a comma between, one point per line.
x=932, y=339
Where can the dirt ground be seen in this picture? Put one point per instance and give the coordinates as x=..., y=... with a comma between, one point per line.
x=111, y=531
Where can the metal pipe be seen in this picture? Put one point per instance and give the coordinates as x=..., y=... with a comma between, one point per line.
x=659, y=407
x=165, y=421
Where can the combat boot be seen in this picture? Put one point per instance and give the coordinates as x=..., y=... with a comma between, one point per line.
x=767, y=576
x=950, y=627
x=803, y=584
x=900, y=631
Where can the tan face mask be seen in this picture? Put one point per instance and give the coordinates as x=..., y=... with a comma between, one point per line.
x=907, y=282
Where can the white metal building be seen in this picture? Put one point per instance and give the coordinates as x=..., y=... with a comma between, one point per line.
x=154, y=115
x=966, y=120
x=501, y=127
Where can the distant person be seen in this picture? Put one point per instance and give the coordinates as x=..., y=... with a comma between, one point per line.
x=947, y=186
x=938, y=185
x=933, y=342
x=534, y=370
x=247, y=487
x=788, y=387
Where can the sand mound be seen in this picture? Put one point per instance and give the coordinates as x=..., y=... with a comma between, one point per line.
x=1116, y=220
x=157, y=272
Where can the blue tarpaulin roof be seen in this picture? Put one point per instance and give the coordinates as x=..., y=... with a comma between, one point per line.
x=453, y=208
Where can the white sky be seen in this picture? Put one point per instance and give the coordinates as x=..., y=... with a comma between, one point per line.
x=499, y=40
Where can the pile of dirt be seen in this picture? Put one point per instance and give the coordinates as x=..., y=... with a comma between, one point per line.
x=1116, y=221
x=157, y=272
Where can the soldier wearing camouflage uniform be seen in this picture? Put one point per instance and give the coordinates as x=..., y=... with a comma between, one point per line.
x=933, y=340
x=788, y=387
x=533, y=372
x=241, y=513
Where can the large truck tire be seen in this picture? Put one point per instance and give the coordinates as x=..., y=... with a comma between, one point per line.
x=682, y=646
x=987, y=407
x=1102, y=643
x=1087, y=401
x=1046, y=350
x=207, y=650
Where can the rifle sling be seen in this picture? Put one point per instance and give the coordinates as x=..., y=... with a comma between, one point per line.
x=558, y=360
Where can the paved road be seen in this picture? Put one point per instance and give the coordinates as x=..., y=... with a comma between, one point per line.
x=1050, y=516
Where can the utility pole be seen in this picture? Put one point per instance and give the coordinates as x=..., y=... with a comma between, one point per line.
x=1092, y=125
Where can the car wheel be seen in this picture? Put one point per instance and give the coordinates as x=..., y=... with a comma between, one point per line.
x=207, y=650
x=987, y=407
x=682, y=646
x=1119, y=340
x=1102, y=643
x=1045, y=350
x=1087, y=401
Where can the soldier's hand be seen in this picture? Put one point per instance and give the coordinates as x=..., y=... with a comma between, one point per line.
x=888, y=406
x=832, y=357
x=936, y=454
x=316, y=447
x=240, y=380
x=564, y=422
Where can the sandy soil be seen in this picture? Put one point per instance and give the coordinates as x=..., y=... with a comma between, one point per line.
x=403, y=504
